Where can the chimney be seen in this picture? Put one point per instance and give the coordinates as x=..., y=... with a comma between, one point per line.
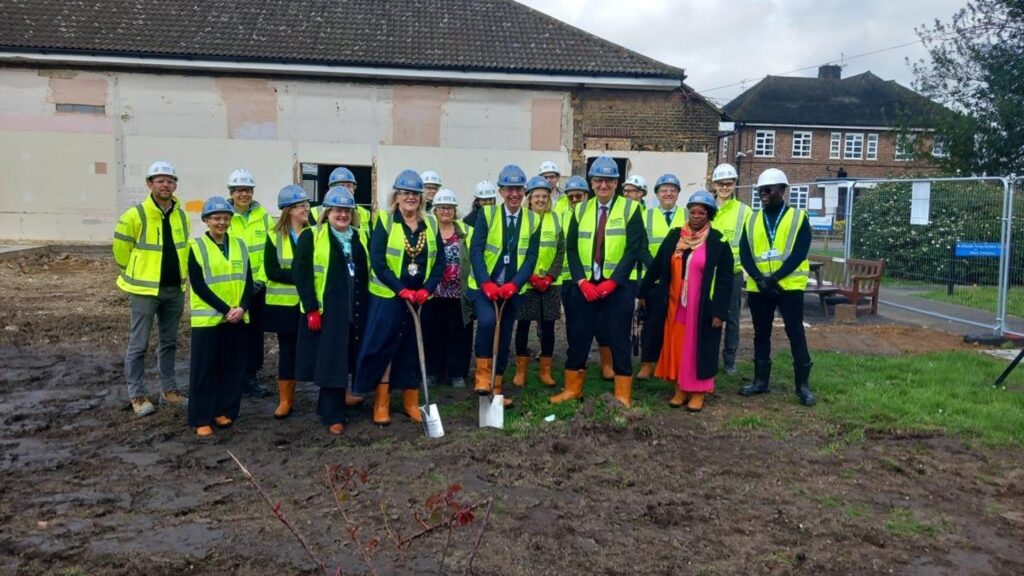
x=830, y=72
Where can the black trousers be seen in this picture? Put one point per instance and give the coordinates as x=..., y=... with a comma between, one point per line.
x=609, y=317
x=448, y=341
x=254, y=334
x=330, y=405
x=652, y=333
x=790, y=304
x=547, y=337
x=217, y=370
x=288, y=346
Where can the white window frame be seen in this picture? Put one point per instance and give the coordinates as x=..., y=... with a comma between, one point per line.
x=940, y=148
x=764, y=144
x=871, y=147
x=853, y=146
x=804, y=139
x=755, y=200
x=900, y=150
x=835, y=146
x=798, y=196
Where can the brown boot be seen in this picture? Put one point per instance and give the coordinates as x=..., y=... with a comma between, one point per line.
x=204, y=431
x=545, y=371
x=222, y=421
x=624, y=390
x=522, y=363
x=351, y=400
x=505, y=401
x=696, y=403
x=679, y=399
x=286, y=394
x=606, y=363
x=646, y=371
x=483, y=376
x=573, y=387
x=382, y=404
x=411, y=403
x=336, y=428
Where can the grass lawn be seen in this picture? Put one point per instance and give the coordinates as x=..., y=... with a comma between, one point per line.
x=980, y=297
x=943, y=392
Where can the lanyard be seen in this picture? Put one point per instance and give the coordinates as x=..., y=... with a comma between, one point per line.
x=774, y=227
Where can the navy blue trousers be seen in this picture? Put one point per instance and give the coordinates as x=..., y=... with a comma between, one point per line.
x=390, y=338
x=485, y=322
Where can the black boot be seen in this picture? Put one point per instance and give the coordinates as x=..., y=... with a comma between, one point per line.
x=801, y=373
x=762, y=376
x=253, y=387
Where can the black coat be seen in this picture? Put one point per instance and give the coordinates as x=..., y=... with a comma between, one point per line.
x=717, y=270
x=328, y=357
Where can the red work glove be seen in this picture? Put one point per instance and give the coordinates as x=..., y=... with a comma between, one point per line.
x=421, y=296
x=507, y=290
x=545, y=283
x=535, y=281
x=589, y=291
x=606, y=287
x=491, y=290
x=406, y=294
x=313, y=321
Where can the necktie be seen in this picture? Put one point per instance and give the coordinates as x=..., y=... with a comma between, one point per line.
x=668, y=218
x=602, y=221
x=511, y=244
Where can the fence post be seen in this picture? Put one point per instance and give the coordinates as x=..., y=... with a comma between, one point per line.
x=851, y=186
x=1004, y=253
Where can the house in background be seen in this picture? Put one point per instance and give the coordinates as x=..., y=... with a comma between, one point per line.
x=828, y=128
x=91, y=93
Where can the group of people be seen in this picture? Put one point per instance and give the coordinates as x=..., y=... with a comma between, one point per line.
x=340, y=285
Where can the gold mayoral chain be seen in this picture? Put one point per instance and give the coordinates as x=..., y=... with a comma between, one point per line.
x=421, y=241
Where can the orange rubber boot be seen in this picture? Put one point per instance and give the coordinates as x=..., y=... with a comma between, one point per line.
x=646, y=371
x=696, y=403
x=505, y=401
x=545, y=371
x=679, y=399
x=482, y=385
x=606, y=363
x=411, y=404
x=522, y=363
x=286, y=394
x=624, y=390
x=573, y=387
x=204, y=431
x=382, y=405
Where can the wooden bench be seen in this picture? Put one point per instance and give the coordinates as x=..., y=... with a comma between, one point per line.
x=856, y=280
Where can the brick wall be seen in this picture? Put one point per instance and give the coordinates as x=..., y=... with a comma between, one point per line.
x=641, y=120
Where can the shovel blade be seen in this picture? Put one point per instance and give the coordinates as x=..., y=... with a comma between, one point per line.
x=492, y=411
x=431, y=421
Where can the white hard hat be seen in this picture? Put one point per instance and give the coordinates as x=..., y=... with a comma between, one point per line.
x=772, y=176
x=724, y=172
x=638, y=181
x=445, y=197
x=161, y=168
x=430, y=177
x=548, y=166
x=484, y=190
x=241, y=178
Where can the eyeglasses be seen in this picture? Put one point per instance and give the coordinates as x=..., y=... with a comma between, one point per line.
x=729, y=184
x=766, y=189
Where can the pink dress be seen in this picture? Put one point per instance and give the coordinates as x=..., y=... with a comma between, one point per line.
x=689, y=316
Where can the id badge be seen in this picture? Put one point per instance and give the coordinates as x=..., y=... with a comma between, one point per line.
x=773, y=253
x=352, y=269
x=506, y=259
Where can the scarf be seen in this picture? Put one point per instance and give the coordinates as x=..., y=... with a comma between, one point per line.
x=345, y=239
x=688, y=240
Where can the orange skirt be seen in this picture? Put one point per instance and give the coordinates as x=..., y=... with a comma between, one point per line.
x=672, y=346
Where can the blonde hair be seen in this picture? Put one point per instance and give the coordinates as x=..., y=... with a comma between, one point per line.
x=393, y=203
x=547, y=206
x=284, y=222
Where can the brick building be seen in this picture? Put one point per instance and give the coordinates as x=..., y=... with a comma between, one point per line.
x=94, y=92
x=826, y=128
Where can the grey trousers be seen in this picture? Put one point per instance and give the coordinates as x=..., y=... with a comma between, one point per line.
x=732, y=323
x=167, y=306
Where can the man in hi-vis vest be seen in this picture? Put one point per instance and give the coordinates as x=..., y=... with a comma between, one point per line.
x=773, y=250
x=604, y=242
x=732, y=217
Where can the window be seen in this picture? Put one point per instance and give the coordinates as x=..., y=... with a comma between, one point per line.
x=81, y=109
x=725, y=147
x=798, y=196
x=853, y=147
x=834, y=144
x=755, y=200
x=939, y=147
x=764, y=143
x=802, y=144
x=872, y=153
x=904, y=147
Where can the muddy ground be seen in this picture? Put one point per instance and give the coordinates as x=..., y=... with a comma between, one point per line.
x=89, y=489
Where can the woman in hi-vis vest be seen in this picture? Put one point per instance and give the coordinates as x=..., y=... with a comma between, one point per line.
x=221, y=280
x=331, y=276
x=405, y=266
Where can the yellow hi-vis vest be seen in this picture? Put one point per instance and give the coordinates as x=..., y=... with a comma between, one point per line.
x=138, y=246
x=496, y=240
x=731, y=218
x=279, y=294
x=657, y=229
x=396, y=248
x=550, y=230
x=566, y=218
x=769, y=256
x=614, y=233
x=224, y=276
x=253, y=230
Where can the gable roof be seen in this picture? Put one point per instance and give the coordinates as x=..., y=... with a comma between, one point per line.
x=464, y=35
x=861, y=100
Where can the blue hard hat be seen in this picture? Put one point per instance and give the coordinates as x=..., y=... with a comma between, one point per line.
x=667, y=179
x=410, y=181
x=576, y=183
x=512, y=175
x=290, y=195
x=339, y=197
x=705, y=199
x=216, y=204
x=604, y=167
x=341, y=174
x=538, y=182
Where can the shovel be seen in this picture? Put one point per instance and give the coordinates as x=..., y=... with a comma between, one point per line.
x=492, y=407
x=428, y=412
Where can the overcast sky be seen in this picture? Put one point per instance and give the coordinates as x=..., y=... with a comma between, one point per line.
x=722, y=42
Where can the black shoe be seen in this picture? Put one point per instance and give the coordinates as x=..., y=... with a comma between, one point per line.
x=762, y=377
x=801, y=375
x=253, y=387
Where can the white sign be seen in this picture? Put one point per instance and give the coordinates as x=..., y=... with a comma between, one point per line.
x=814, y=204
x=920, y=199
x=823, y=223
x=831, y=198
